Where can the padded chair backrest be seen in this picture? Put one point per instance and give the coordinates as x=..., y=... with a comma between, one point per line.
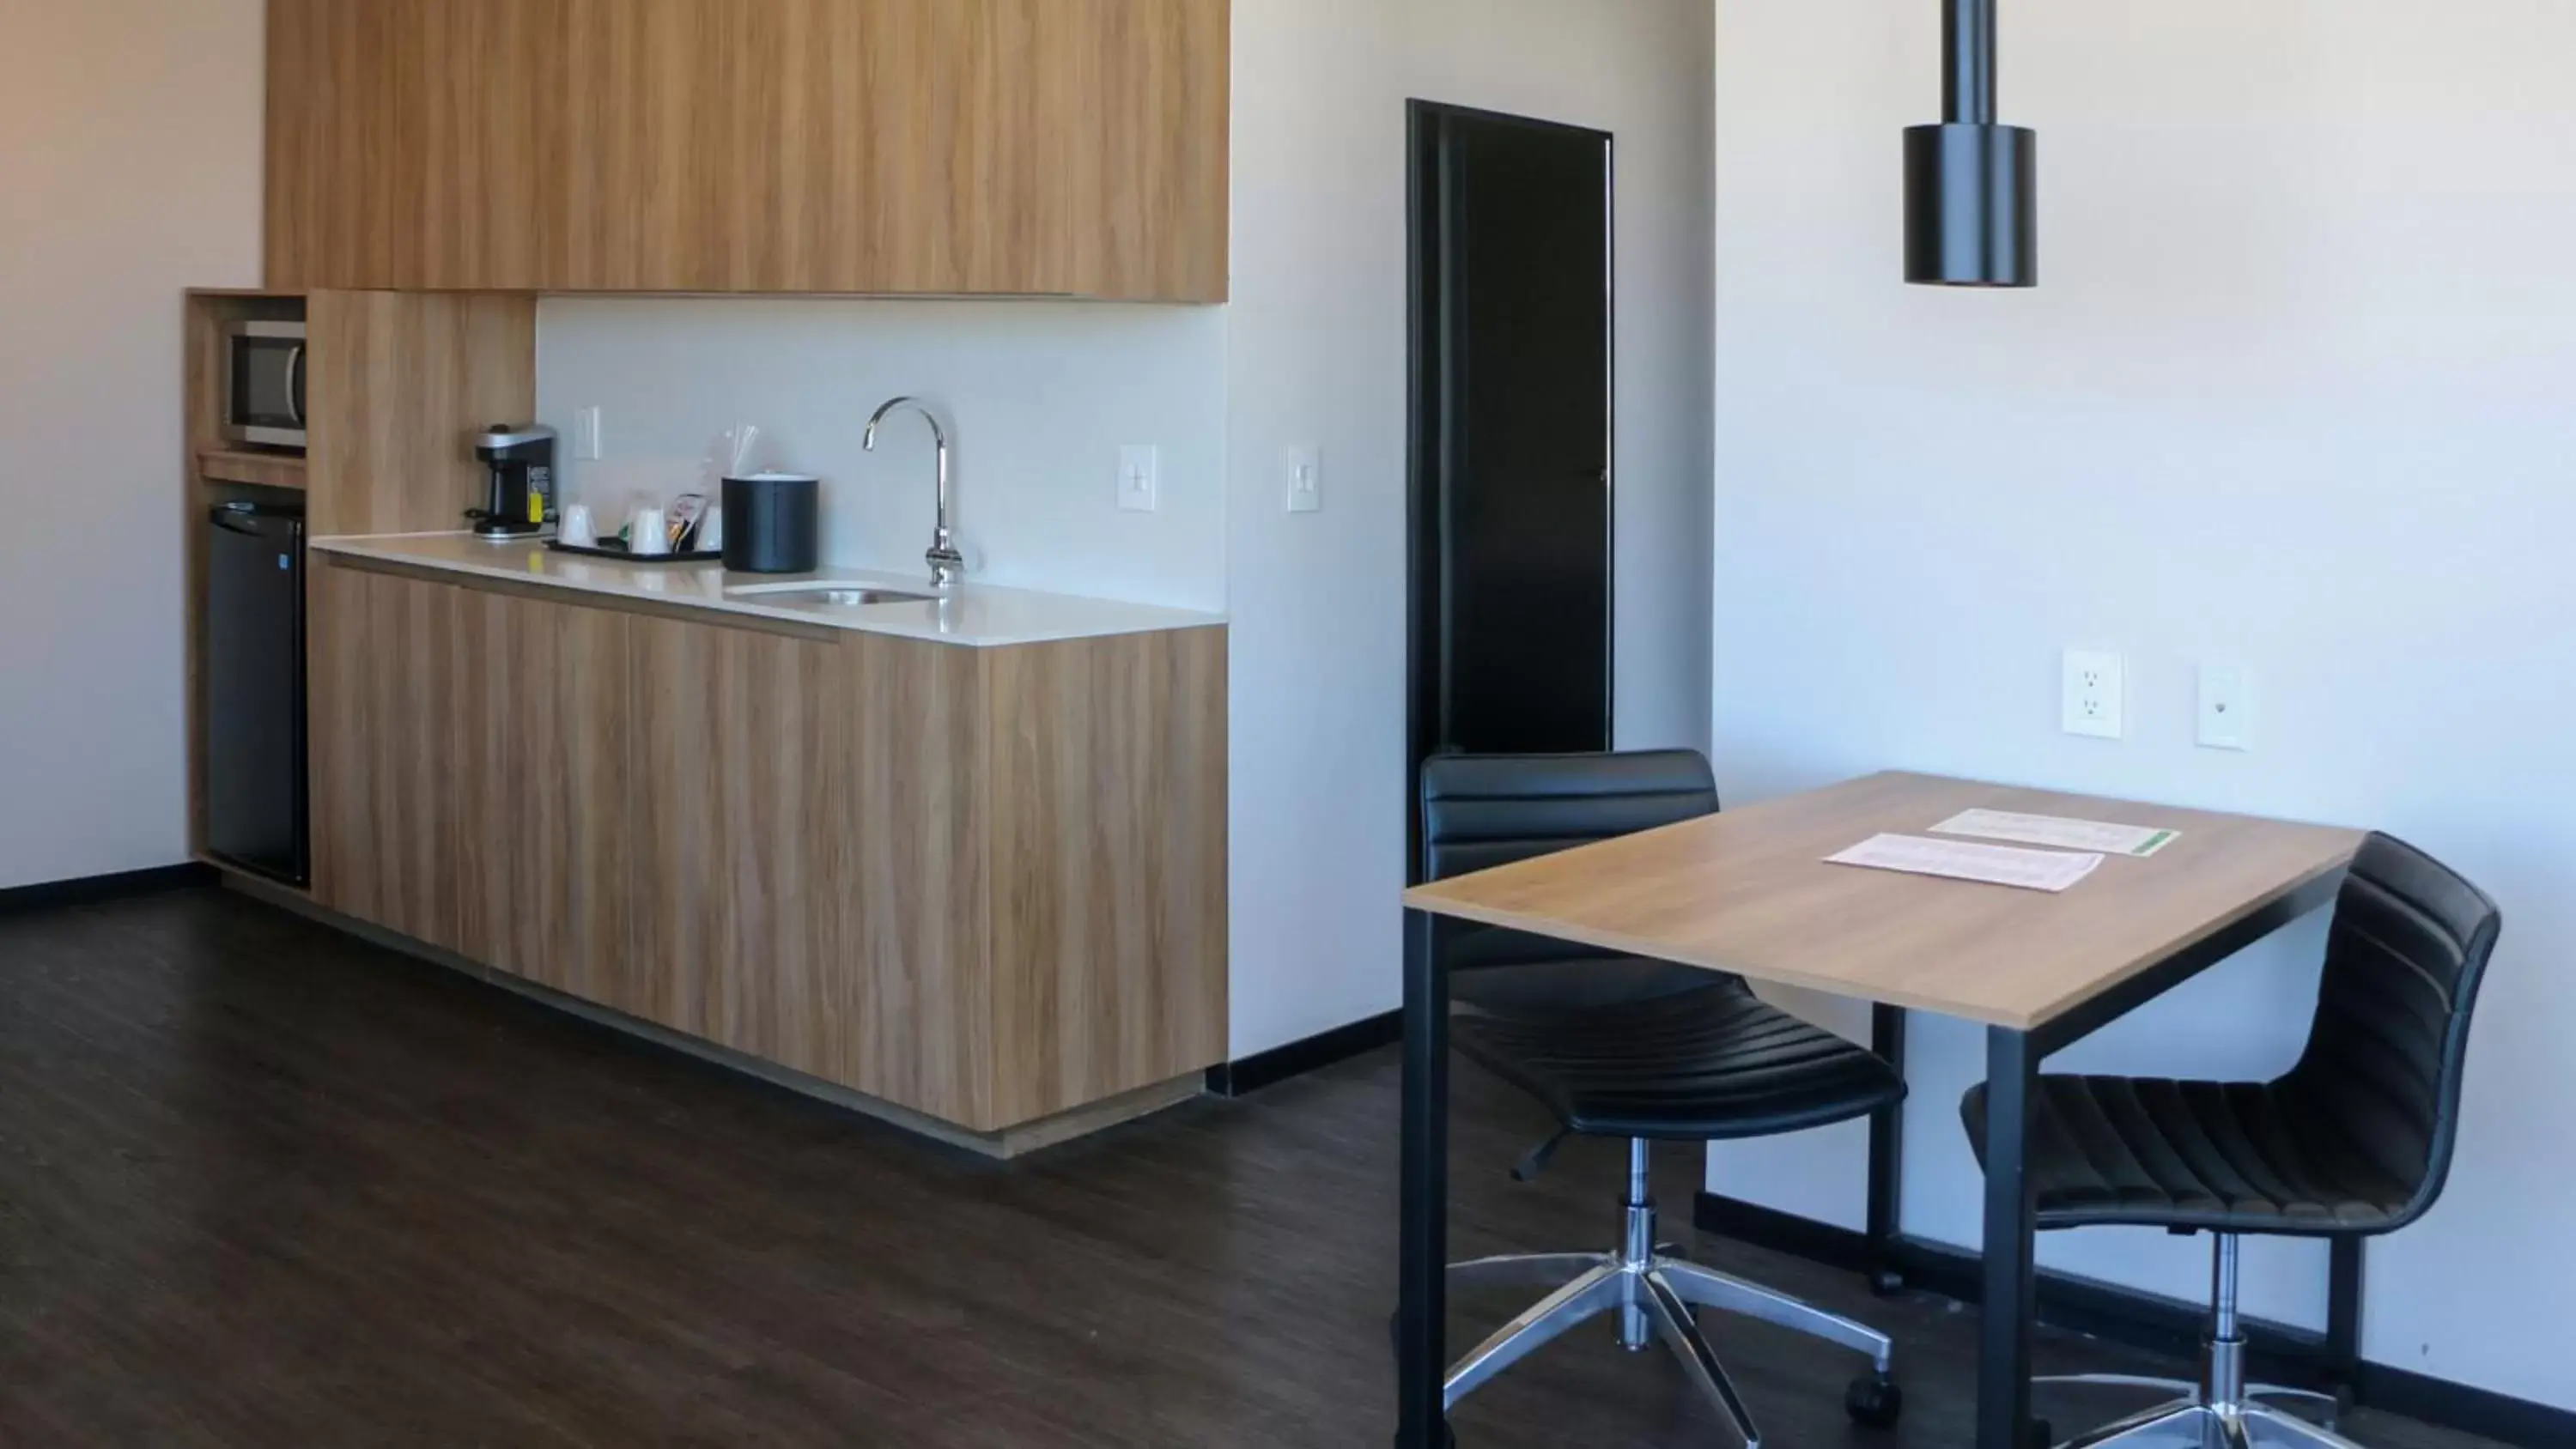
x=1481, y=811
x=2404, y=959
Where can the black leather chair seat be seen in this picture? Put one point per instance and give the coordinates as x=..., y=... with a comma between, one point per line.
x=1690, y=1057
x=1533, y=987
x=2235, y=1157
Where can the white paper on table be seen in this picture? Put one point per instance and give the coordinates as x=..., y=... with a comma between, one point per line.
x=2138, y=841
x=2031, y=870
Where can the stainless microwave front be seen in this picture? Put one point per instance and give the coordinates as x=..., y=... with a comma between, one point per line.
x=264, y=384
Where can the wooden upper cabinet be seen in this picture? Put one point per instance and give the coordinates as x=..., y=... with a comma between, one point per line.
x=1070, y=147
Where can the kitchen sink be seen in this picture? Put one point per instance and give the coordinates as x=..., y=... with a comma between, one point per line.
x=836, y=596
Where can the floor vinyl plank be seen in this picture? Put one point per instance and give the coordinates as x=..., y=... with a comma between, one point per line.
x=262, y=1184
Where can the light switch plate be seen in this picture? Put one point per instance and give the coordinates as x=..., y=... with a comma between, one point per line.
x=1306, y=479
x=2093, y=698
x=2226, y=708
x=587, y=442
x=1140, y=469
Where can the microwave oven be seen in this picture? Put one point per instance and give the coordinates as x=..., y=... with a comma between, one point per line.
x=264, y=383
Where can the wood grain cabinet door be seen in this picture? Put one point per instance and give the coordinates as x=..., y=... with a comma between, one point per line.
x=858, y=146
x=734, y=841
x=1142, y=132
x=911, y=897
x=414, y=145
x=380, y=704
x=808, y=846
x=541, y=707
x=1106, y=768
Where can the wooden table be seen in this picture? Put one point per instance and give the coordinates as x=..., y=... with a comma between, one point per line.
x=1748, y=892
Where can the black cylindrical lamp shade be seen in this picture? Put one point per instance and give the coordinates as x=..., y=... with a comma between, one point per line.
x=1971, y=205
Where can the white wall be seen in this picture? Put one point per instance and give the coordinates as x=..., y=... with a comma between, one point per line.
x=129, y=169
x=1039, y=397
x=2295, y=395
x=1317, y=355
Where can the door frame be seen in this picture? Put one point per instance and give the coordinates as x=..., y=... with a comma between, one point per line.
x=1427, y=403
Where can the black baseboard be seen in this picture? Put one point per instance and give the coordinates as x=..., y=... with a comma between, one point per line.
x=1297, y=1058
x=2129, y=1316
x=2148, y=1321
x=2453, y=1405
x=90, y=890
x=1766, y=1227
x=2276, y=1352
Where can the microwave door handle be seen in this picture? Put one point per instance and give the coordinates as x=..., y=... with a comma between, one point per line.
x=295, y=384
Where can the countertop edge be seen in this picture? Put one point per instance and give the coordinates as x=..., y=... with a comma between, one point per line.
x=902, y=621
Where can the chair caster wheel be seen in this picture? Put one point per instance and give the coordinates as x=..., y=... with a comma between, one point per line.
x=1886, y=1283
x=1874, y=1400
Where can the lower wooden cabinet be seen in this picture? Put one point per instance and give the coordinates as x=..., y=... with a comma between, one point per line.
x=384, y=806
x=735, y=841
x=987, y=885
x=808, y=884
x=468, y=753
x=538, y=716
x=1105, y=843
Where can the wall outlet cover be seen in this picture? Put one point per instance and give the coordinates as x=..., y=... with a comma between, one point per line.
x=1139, y=477
x=1306, y=479
x=2226, y=708
x=2094, y=699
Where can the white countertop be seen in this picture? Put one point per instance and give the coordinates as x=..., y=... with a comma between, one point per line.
x=973, y=614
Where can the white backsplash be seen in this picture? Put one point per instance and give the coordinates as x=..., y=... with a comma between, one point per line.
x=1038, y=396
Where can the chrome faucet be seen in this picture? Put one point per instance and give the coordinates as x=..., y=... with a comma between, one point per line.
x=947, y=565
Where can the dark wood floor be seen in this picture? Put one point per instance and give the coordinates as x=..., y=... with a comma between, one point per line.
x=263, y=1185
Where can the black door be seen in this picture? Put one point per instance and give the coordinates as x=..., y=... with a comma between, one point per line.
x=1511, y=434
x=255, y=782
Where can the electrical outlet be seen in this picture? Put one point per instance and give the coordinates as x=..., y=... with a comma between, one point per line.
x=1139, y=477
x=2226, y=708
x=1306, y=480
x=2093, y=702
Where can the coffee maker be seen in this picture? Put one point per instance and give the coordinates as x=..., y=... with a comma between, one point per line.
x=520, y=495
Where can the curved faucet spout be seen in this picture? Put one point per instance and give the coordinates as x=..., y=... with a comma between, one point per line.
x=946, y=563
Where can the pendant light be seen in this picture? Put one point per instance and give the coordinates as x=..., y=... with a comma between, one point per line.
x=1971, y=186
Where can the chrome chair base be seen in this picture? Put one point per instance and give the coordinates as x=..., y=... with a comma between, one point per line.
x=2221, y=1411
x=2187, y=1392
x=1656, y=1295
x=2191, y=1424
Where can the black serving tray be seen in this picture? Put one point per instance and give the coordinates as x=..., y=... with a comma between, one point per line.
x=616, y=549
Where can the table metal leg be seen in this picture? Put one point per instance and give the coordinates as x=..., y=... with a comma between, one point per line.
x=2343, y=1312
x=2011, y=1300
x=1887, y=1157
x=1421, y=1349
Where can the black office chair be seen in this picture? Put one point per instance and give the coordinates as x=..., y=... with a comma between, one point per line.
x=2355, y=1141
x=1617, y=1046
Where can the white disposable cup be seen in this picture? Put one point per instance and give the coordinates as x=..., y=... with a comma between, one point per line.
x=711, y=529
x=648, y=533
x=576, y=529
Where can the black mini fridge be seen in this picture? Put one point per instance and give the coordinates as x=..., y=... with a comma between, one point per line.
x=254, y=683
